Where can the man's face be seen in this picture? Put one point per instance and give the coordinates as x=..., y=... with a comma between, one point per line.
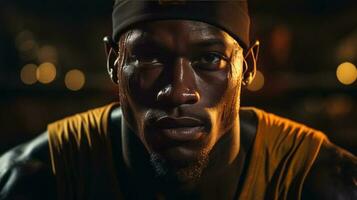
x=179, y=88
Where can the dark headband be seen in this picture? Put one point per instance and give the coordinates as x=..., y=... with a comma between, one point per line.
x=230, y=16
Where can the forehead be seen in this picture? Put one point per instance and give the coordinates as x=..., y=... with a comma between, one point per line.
x=177, y=31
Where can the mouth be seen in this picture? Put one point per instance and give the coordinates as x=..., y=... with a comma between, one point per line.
x=182, y=129
x=180, y=140
x=183, y=134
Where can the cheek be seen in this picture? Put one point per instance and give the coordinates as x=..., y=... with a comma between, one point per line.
x=231, y=101
x=146, y=79
x=127, y=97
x=220, y=87
x=235, y=80
x=224, y=111
x=133, y=99
x=212, y=86
x=143, y=84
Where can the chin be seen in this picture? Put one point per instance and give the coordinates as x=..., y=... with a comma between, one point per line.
x=179, y=172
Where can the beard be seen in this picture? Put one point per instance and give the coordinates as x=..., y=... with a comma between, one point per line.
x=187, y=173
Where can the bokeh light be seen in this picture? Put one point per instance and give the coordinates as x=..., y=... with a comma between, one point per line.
x=46, y=73
x=347, y=50
x=338, y=106
x=346, y=73
x=26, y=43
x=28, y=74
x=74, y=80
x=281, y=43
x=47, y=53
x=257, y=83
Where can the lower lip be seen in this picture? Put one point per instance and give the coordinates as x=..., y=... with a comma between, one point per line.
x=183, y=134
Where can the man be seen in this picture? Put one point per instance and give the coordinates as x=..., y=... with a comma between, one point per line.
x=179, y=132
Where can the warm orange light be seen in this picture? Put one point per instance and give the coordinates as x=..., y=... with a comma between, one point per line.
x=338, y=106
x=28, y=74
x=27, y=45
x=74, y=80
x=47, y=53
x=257, y=83
x=346, y=51
x=346, y=73
x=46, y=73
x=25, y=41
x=281, y=38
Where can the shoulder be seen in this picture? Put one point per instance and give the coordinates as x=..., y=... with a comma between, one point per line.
x=248, y=127
x=25, y=171
x=270, y=122
x=333, y=175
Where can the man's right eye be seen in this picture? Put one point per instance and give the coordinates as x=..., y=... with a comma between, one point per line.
x=145, y=60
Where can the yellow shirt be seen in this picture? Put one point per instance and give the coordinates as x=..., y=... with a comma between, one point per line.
x=283, y=153
x=81, y=154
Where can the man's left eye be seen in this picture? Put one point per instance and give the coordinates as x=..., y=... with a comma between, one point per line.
x=210, y=61
x=210, y=58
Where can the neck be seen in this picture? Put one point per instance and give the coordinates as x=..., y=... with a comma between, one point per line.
x=220, y=179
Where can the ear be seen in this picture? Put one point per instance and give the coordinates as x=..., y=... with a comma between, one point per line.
x=112, y=53
x=250, y=63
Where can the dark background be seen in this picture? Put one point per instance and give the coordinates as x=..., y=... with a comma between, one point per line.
x=303, y=43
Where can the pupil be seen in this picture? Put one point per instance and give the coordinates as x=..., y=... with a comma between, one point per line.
x=210, y=58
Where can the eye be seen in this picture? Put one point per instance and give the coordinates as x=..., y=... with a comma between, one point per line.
x=210, y=58
x=145, y=61
x=210, y=61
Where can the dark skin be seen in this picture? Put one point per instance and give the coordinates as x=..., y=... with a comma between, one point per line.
x=184, y=70
x=333, y=175
x=178, y=38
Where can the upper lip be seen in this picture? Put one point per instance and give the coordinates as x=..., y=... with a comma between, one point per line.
x=167, y=122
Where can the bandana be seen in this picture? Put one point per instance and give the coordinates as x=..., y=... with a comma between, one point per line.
x=230, y=16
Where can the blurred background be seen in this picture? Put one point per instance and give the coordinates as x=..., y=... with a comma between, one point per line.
x=52, y=64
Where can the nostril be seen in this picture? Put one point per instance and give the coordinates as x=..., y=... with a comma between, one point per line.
x=191, y=98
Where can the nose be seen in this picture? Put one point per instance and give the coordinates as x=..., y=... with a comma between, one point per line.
x=182, y=88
